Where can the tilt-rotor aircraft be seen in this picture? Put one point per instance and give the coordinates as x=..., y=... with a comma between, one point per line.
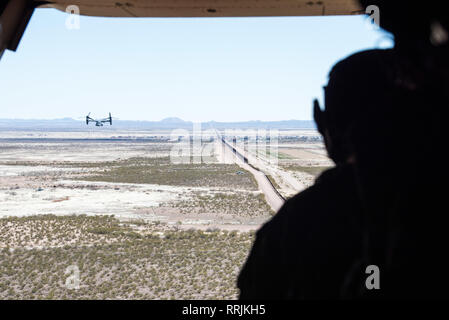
x=99, y=123
x=15, y=14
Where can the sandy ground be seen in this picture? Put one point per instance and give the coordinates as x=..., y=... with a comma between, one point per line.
x=20, y=197
x=289, y=183
x=91, y=198
x=31, y=184
x=27, y=190
x=271, y=196
x=304, y=154
x=32, y=189
x=76, y=151
x=124, y=201
x=309, y=156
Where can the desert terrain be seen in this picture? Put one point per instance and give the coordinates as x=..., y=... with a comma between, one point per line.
x=133, y=223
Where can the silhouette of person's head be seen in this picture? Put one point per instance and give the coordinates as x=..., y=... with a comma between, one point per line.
x=415, y=25
x=356, y=84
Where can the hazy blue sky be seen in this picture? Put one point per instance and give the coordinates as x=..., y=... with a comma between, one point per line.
x=231, y=69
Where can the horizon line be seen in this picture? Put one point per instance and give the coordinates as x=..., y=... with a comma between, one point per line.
x=164, y=119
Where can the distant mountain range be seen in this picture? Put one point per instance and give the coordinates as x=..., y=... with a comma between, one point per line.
x=70, y=124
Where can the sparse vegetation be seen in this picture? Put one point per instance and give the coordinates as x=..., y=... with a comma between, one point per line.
x=156, y=171
x=273, y=182
x=125, y=259
x=134, y=260
x=312, y=170
x=247, y=204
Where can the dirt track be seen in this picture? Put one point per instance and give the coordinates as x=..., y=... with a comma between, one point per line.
x=271, y=195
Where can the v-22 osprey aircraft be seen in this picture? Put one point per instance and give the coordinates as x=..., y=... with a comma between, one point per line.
x=99, y=123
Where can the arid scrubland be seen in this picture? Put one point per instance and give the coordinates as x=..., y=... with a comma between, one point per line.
x=117, y=260
x=133, y=223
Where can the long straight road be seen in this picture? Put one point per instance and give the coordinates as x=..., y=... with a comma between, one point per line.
x=272, y=196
